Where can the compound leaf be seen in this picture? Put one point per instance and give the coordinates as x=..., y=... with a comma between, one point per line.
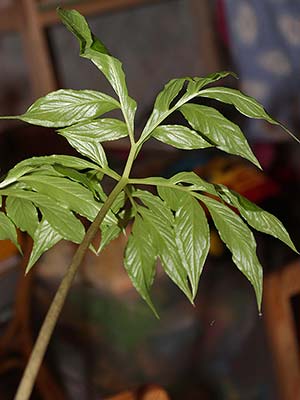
x=217, y=129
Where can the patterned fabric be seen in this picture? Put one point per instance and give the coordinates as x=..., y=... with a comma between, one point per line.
x=264, y=37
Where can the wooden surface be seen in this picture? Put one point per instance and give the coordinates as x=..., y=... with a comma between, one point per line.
x=281, y=328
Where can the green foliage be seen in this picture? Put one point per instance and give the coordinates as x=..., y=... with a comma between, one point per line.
x=48, y=196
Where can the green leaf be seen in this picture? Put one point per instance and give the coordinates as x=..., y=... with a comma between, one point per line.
x=67, y=107
x=111, y=229
x=71, y=194
x=244, y=104
x=94, y=50
x=192, y=238
x=217, y=129
x=192, y=232
x=44, y=238
x=256, y=217
x=239, y=240
x=90, y=149
x=77, y=24
x=162, y=104
x=23, y=214
x=101, y=130
x=195, y=182
x=29, y=165
x=108, y=233
x=113, y=71
x=180, y=137
x=8, y=230
x=140, y=259
x=197, y=83
x=62, y=220
x=160, y=220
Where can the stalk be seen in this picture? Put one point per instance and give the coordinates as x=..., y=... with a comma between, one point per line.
x=27, y=382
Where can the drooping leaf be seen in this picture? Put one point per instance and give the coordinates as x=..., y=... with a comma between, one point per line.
x=60, y=218
x=192, y=232
x=244, y=104
x=140, y=259
x=217, y=129
x=23, y=214
x=180, y=137
x=256, y=217
x=8, y=230
x=64, y=222
x=160, y=220
x=239, y=240
x=44, y=238
x=67, y=107
x=71, y=194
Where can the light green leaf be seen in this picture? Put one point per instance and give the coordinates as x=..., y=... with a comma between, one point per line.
x=256, y=217
x=31, y=164
x=162, y=104
x=160, y=220
x=90, y=149
x=180, y=137
x=172, y=196
x=64, y=222
x=23, y=214
x=239, y=240
x=66, y=107
x=44, y=238
x=140, y=259
x=71, y=194
x=244, y=104
x=217, y=129
x=8, y=230
x=101, y=130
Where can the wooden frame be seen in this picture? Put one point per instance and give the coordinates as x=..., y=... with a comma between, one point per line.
x=279, y=288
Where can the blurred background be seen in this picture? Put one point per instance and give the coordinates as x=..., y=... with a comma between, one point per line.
x=107, y=340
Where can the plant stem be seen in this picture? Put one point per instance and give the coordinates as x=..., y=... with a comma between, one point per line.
x=37, y=355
